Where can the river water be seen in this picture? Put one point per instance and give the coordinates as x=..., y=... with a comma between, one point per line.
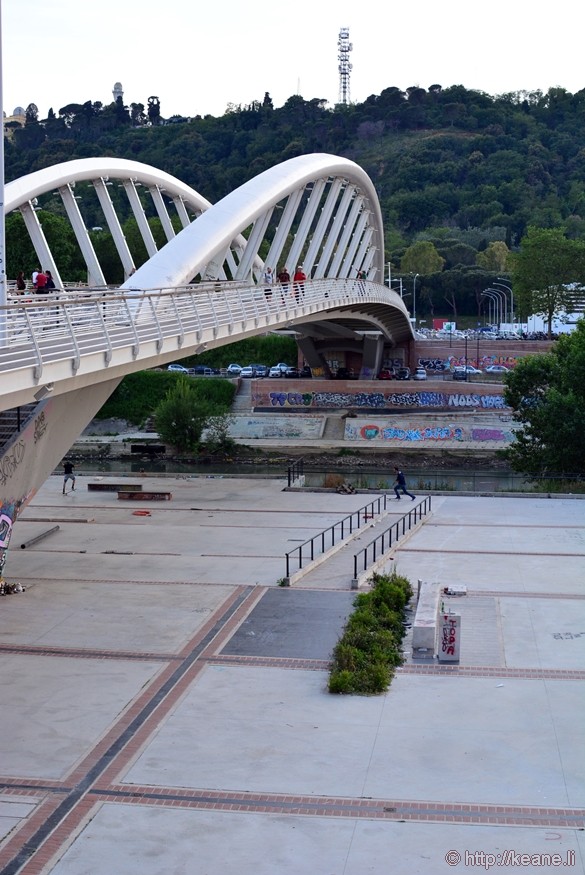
x=479, y=480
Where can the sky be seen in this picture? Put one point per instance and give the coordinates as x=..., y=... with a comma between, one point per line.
x=198, y=57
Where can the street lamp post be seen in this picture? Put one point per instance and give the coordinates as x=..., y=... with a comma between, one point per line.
x=508, y=289
x=414, y=298
x=494, y=305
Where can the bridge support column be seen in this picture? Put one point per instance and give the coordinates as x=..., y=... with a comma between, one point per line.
x=313, y=357
x=372, y=358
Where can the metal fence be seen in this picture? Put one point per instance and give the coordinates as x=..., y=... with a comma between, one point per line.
x=295, y=471
x=384, y=541
x=318, y=544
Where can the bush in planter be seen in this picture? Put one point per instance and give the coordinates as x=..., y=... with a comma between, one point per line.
x=369, y=649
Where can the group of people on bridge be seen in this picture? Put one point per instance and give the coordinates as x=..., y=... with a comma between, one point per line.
x=284, y=280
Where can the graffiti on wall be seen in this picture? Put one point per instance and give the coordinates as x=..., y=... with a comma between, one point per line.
x=10, y=461
x=380, y=401
x=417, y=433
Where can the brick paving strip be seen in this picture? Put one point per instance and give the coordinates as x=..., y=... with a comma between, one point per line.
x=59, y=816
x=65, y=807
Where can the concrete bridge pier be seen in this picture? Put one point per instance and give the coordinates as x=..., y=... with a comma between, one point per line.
x=372, y=357
x=315, y=359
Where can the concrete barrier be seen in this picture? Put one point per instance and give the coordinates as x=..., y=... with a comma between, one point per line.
x=424, y=628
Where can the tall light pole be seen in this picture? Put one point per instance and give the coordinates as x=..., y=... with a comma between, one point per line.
x=414, y=298
x=508, y=289
x=494, y=304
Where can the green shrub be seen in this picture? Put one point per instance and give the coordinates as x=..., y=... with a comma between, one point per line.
x=368, y=651
x=138, y=395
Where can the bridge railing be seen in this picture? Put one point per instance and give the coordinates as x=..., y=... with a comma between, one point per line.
x=67, y=324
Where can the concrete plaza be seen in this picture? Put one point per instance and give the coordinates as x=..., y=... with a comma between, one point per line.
x=165, y=704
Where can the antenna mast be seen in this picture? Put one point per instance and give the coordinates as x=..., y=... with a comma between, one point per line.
x=344, y=48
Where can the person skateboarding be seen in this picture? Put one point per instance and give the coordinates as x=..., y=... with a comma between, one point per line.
x=400, y=484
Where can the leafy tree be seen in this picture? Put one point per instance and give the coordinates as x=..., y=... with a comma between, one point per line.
x=543, y=271
x=182, y=416
x=547, y=394
x=495, y=257
x=422, y=257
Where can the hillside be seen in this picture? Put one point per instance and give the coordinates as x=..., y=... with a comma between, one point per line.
x=457, y=167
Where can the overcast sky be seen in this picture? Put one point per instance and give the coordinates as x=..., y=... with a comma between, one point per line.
x=199, y=56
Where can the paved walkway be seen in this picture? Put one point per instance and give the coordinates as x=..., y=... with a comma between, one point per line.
x=164, y=703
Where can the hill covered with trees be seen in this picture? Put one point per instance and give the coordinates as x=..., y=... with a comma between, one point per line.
x=460, y=174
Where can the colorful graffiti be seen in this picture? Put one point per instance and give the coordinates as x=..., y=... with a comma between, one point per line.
x=412, y=432
x=429, y=433
x=380, y=401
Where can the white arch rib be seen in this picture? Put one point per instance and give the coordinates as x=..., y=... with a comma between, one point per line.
x=40, y=182
x=188, y=253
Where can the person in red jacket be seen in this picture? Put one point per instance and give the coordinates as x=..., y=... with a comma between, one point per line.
x=299, y=281
x=41, y=284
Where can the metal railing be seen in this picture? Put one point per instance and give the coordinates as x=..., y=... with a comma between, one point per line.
x=66, y=325
x=318, y=544
x=295, y=471
x=384, y=541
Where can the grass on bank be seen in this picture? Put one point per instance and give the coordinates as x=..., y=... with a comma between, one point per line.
x=365, y=657
x=139, y=394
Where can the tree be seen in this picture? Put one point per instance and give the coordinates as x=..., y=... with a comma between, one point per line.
x=544, y=270
x=154, y=110
x=547, y=394
x=182, y=416
x=421, y=257
x=495, y=257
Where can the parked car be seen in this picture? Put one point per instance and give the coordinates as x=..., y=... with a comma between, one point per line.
x=420, y=374
x=462, y=372
x=275, y=371
x=292, y=373
x=178, y=369
x=234, y=370
x=260, y=370
x=386, y=374
x=467, y=369
x=403, y=374
x=306, y=372
x=497, y=369
x=248, y=371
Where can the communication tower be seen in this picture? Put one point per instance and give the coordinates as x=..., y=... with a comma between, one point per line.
x=344, y=48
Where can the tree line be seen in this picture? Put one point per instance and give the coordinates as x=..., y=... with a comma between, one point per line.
x=460, y=175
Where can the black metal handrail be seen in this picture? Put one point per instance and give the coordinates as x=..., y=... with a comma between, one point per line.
x=295, y=471
x=383, y=542
x=326, y=539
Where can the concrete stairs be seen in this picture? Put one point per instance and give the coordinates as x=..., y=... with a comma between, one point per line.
x=243, y=399
x=334, y=428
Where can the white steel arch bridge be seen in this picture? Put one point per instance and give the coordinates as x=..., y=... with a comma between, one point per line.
x=63, y=354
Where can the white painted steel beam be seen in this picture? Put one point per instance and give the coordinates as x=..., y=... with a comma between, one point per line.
x=102, y=190
x=39, y=241
x=322, y=225
x=96, y=276
x=140, y=216
x=334, y=232
x=346, y=235
x=162, y=212
x=309, y=213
